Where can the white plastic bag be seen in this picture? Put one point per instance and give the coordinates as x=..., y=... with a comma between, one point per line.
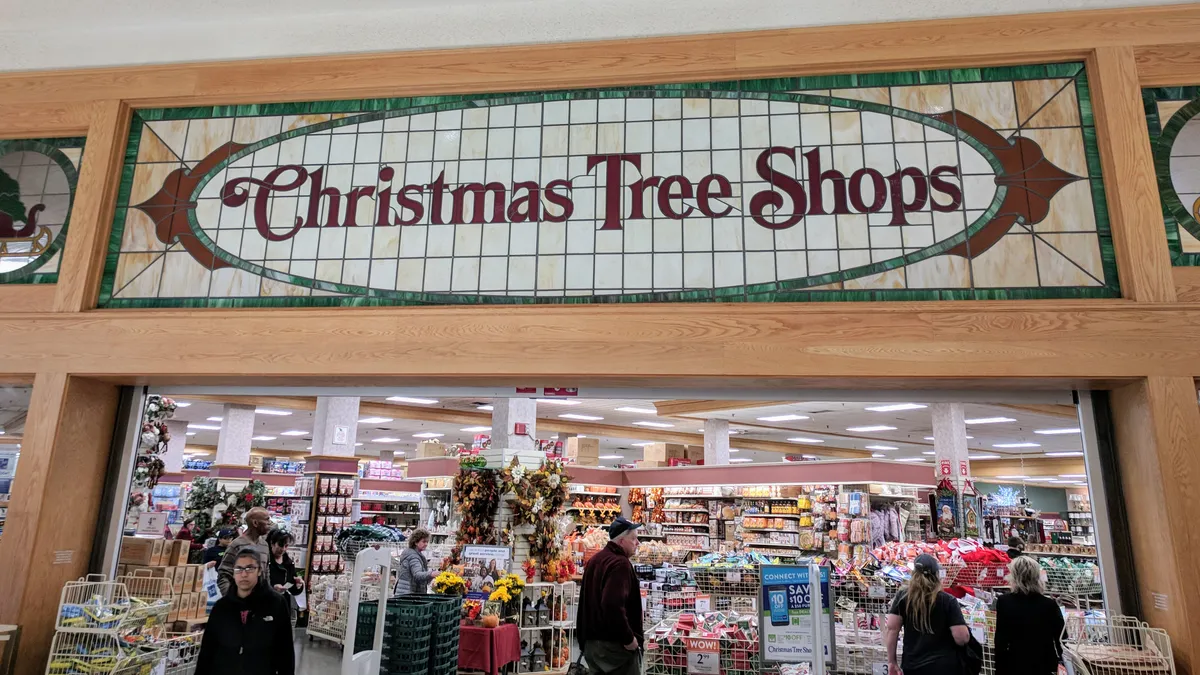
x=301, y=600
x=210, y=585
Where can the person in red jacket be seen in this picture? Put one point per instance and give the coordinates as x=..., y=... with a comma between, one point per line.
x=609, y=626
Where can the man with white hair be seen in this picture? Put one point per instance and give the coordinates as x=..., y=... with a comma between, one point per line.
x=609, y=626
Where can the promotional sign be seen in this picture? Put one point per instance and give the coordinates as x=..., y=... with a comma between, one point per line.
x=152, y=523
x=703, y=656
x=931, y=185
x=790, y=631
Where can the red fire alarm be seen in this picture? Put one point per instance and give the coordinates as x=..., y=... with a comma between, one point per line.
x=519, y=428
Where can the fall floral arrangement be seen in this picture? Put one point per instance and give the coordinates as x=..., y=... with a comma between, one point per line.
x=536, y=495
x=449, y=583
x=476, y=496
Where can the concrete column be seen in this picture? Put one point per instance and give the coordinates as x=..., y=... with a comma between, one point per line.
x=716, y=442
x=387, y=455
x=233, y=443
x=506, y=414
x=173, y=457
x=950, y=443
x=335, y=426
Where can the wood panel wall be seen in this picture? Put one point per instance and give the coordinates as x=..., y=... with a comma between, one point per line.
x=1145, y=342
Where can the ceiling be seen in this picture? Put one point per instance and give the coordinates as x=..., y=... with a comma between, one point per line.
x=46, y=34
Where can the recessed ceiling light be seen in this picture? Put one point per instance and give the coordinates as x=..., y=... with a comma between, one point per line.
x=896, y=407
x=386, y=439
x=475, y=429
x=1056, y=432
x=270, y=411
x=879, y=454
x=983, y=456
x=204, y=427
x=809, y=456
x=262, y=438
x=911, y=459
x=640, y=411
x=612, y=456
x=182, y=404
x=215, y=419
x=882, y=447
x=191, y=433
x=485, y=407
x=428, y=434
x=740, y=460
x=735, y=449
x=374, y=420
x=358, y=445
x=398, y=452
x=642, y=445
x=407, y=399
x=557, y=401
x=1072, y=475
x=931, y=438
x=294, y=432
x=1073, y=453
x=1017, y=445
x=989, y=420
x=802, y=439
x=309, y=448
x=1014, y=477
x=656, y=425
x=585, y=418
x=874, y=427
x=928, y=452
x=783, y=418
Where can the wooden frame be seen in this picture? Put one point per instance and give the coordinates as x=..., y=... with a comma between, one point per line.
x=55, y=333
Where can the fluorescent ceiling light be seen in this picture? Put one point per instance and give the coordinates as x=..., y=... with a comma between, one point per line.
x=735, y=449
x=475, y=429
x=802, y=439
x=1073, y=453
x=983, y=456
x=612, y=456
x=882, y=447
x=1056, y=432
x=191, y=433
x=640, y=411
x=204, y=427
x=407, y=399
x=374, y=420
x=642, y=445
x=1072, y=475
x=783, y=418
x=931, y=438
x=874, y=427
x=740, y=460
x=263, y=438
x=427, y=434
x=269, y=411
x=878, y=454
x=294, y=432
x=182, y=404
x=911, y=459
x=386, y=439
x=928, y=452
x=357, y=445
x=484, y=407
x=1014, y=477
x=656, y=425
x=896, y=407
x=989, y=420
x=1017, y=445
x=309, y=448
x=585, y=418
x=215, y=419
x=398, y=452
x=557, y=401
x=809, y=456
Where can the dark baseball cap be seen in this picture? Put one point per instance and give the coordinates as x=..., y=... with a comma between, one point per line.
x=927, y=565
x=620, y=526
x=226, y=534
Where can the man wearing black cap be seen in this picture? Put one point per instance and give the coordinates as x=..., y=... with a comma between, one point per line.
x=609, y=626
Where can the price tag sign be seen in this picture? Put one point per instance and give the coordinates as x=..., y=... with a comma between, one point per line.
x=876, y=592
x=733, y=577
x=703, y=603
x=879, y=669
x=704, y=657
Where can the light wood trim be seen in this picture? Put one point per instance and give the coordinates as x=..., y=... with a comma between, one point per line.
x=1157, y=422
x=1143, y=260
x=1169, y=65
x=1187, y=282
x=1063, y=411
x=92, y=213
x=38, y=121
x=11, y=439
x=967, y=42
x=27, y=297
x=687, y=407
x=1030, y=466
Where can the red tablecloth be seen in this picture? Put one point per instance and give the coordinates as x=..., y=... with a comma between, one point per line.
x=488, y=649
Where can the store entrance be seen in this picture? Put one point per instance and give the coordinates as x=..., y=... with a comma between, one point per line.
x=859, y=482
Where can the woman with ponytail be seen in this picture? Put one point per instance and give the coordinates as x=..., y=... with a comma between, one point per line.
x=933, y=624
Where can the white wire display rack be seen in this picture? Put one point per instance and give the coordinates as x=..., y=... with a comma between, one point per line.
x=182, y=650
x=547, y=626
x=733, y=589
x=102, y=654
x=330, y=599
x=95, y=605
x=1117, y=645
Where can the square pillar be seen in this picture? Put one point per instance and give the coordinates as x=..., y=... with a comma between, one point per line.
x=506, y=414
x=716, y=442
x=335, y=426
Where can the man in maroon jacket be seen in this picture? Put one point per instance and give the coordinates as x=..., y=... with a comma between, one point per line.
x=609, y=626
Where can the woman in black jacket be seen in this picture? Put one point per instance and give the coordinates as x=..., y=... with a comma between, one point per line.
x=248, y=631
x=283, y=571
x=1028, y=624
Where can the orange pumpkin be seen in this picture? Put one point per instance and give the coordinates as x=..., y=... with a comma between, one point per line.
x=490, y=621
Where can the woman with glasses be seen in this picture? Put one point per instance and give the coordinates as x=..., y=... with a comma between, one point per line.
x=249, y=631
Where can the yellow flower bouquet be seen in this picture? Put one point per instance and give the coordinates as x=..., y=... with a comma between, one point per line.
x=449, y=583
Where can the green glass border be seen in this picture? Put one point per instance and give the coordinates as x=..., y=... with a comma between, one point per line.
x=1162, y=136
x=783, y=89
x=52, y=148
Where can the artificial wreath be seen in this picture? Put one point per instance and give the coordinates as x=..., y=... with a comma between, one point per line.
x=212, y=507
x=153, y=441
x=535, y=495
x=477, y=496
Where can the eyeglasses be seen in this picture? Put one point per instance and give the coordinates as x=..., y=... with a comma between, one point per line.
x=246, y=570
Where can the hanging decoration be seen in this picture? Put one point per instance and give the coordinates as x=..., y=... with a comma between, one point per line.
x=212, y=507
x=153, y=441
x=970, y=510
x=534, y=495
x=947, y=509
x=477, y=497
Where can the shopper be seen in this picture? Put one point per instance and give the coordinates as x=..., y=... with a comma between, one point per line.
x=934, y=628
x=1028, y=624
x=185, y=532
x=248, y=631
x=213, y=554
x=609, y=628
x=258, y=524
x=282, y=574
x=414, y=575
x=1016, y=547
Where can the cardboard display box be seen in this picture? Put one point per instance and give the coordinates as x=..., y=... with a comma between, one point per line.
x=190, y=625
x=649, y=464
x=180, y=548
x=695, y=453
x=142, y=551
x=582, y=447
x=189, y=578
x=430, y=449
x=661, y=452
